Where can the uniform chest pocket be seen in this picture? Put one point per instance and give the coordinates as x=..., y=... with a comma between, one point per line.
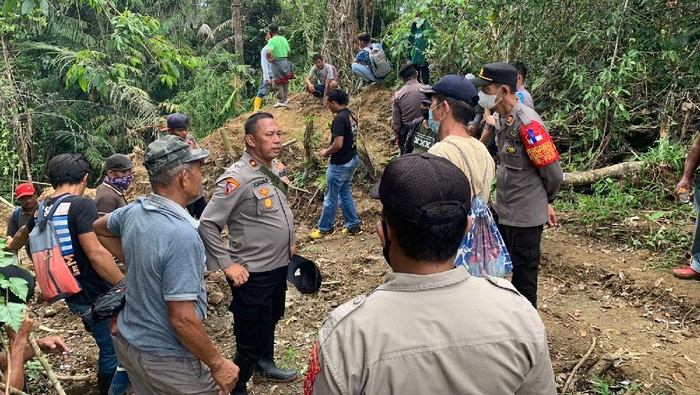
x=266, y=197
x=512, y=154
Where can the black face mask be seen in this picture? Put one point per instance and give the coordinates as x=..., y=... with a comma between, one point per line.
x=387, y=243
x=426, y=113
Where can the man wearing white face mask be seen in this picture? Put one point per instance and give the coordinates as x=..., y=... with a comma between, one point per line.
x=529, y=174
x=452, y=108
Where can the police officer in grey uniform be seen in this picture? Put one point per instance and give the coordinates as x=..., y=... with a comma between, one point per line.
x=528, y=177
x=250, y=198
x=430, y=328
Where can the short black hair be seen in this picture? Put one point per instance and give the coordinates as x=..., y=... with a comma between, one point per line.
x=251, y=124
x=522, y=69
x=461, y=111
x=273, y=28
x=316, y=57
x=364, y=37
x=339, y=96
x=425, y=242
x=68, y=169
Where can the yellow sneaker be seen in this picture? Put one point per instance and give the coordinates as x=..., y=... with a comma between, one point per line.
x=319, y=234
x=355, y=230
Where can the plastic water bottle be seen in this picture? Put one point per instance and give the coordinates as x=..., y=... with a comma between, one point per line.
x=683, y=194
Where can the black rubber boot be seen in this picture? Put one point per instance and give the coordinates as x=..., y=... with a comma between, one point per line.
x=245, y=366
x=104, y=381
x=266, y=365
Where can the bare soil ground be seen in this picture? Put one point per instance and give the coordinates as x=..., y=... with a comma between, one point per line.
x=589, y=289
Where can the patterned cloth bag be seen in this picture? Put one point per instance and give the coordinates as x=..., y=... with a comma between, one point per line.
x=482, y=251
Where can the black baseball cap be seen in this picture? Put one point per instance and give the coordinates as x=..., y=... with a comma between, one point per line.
x=178, y=121
x=456, y=87
x=118, y=162
x=308, y=280
x=424, y=188
x=407, y=71
x=496, y=73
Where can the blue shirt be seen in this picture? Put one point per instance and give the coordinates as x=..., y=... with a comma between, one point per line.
x=362, y=57
x=165, y=262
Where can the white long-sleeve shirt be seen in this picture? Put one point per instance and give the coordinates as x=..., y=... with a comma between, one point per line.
x=265, y=64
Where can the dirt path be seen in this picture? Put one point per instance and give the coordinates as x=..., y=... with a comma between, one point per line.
x=588, y=289
x=646, y=316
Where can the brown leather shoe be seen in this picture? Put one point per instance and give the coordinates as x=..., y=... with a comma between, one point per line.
x=686, y=273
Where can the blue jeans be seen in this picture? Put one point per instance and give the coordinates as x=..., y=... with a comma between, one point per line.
x=107, y=362
x=320, y=88
x=339, y=180
x=364, y=72
x=695, y=249
x=262, y=91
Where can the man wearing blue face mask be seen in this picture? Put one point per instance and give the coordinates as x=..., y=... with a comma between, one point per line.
x=110, y=194
x=529, y=173
x=452, y=109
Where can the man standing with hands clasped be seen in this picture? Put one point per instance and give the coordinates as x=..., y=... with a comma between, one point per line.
x=161, y=339
x=251, y=200
x=528, y=177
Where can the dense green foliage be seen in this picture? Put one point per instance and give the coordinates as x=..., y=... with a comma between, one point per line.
x=607, y=75
x=640, y=209
x=98, y=76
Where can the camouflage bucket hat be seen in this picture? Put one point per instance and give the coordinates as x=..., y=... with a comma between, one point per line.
x=169, y=152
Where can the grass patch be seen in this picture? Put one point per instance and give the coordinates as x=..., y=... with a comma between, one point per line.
x=639, y=210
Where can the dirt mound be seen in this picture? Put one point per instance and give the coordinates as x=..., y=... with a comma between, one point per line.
x=48, y=191
x=372, y=106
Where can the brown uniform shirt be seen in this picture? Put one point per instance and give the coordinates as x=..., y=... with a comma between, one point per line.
x=405, y=108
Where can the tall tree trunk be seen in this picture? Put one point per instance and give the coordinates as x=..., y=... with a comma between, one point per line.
x=340, y=34
x=237, y=21
x=22, y=124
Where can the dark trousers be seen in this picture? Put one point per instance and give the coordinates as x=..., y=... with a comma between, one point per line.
x=424, y=74
x=401, y=136
x=523, y=245
x=257, y=306
x=196, y=208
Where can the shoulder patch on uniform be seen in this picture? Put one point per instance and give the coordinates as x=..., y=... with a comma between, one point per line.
x=538, y=144
x=338, y=315
x=253, y=163
x=500, y=283
x=509, y=120
x=231, y=185
x=264, y=191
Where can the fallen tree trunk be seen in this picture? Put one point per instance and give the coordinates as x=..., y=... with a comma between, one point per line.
x=581, y=178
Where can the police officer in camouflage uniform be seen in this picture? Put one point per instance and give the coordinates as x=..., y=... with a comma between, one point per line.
x=431, y=328
x=250, y=198
x=529, y=174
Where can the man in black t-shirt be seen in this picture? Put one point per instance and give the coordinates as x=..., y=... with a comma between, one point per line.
x=97, y=269
x=344, y=161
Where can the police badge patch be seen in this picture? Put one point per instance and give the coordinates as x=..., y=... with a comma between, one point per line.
x=231, y=185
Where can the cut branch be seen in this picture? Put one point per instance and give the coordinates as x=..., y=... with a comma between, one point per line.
x=46, y=365
x=589, y=177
